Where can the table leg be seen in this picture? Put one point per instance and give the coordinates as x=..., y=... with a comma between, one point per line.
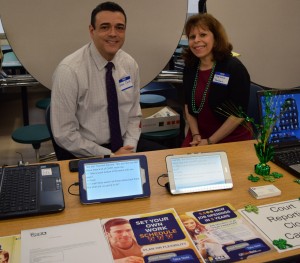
x=25, y=106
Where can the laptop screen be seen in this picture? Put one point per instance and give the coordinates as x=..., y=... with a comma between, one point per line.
x=286, y=130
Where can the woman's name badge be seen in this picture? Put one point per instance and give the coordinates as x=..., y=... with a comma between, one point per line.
x=125, y=83
x=221, y=78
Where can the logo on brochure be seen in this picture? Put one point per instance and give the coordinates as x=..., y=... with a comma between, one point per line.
x=214, y=214
x=180, y=256
x=37, y=234
x=156, y=229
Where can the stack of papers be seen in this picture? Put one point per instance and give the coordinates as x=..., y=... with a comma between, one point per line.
x=164, y=112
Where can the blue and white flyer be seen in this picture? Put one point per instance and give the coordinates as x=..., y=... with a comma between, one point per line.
x=222, y=235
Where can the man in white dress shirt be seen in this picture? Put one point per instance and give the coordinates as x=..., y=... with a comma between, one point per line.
x=79, y=117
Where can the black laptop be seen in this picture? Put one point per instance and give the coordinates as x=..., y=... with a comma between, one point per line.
x=30, y=190
x=285, y=137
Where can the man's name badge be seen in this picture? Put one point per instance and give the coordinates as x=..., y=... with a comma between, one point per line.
x=125, y=83
x=221, y=78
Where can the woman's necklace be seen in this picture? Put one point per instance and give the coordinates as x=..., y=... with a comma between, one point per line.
x=194, y=108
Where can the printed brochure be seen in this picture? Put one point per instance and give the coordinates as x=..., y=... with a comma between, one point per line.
x=153, y=237
x=10, y=249
x=216, y=234
x=222, y=235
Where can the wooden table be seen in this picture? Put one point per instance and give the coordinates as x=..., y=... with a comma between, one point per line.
x=242, y=158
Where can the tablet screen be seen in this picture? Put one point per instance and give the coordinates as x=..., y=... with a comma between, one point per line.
x=108, y=179
x=113, y=179
x=198, y=172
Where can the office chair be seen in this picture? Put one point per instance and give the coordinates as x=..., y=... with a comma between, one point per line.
x=61, y=154
x=43, y=103
x=253, y=110
x=33, y=134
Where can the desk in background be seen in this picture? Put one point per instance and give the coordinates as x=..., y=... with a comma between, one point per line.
x=6, y=48
x=11, y=64
x=16, y=76
x=23, y=82
x=241, y=156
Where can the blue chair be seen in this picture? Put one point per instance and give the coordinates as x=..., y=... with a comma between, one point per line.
x=161, y=88
x=152, y=100
x=33, y=134
x=43, y=103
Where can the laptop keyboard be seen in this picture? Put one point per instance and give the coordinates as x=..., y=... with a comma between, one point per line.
x=289, y=157
x=18, y=189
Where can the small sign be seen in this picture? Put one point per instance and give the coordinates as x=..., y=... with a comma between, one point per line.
x=283, y=216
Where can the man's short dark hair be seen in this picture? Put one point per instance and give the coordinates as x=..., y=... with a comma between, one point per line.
x=106, y=6
x=114, y=222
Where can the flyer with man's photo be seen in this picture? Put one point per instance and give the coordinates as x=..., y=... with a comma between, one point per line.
x=152, y=237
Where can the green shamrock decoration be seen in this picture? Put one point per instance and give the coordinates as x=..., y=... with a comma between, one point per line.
x=281, y=244
x=251, y=208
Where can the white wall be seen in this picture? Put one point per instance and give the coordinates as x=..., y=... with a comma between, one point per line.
x=266, y=34
x=42, y=33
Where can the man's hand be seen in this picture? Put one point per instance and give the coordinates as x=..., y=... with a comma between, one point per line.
x=125, y=150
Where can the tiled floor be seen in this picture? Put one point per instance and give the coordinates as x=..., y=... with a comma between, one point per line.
x=11, y=118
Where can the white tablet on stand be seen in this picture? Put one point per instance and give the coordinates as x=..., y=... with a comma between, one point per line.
x=197, y=172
